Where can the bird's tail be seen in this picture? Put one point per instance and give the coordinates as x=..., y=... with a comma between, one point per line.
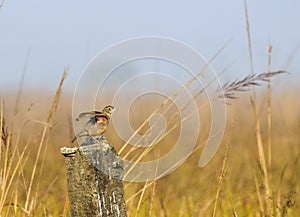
x=73, y=140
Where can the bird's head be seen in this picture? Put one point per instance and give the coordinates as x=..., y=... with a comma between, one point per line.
x=108, y=110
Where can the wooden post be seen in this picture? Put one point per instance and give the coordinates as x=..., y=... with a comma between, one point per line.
x=95, y=185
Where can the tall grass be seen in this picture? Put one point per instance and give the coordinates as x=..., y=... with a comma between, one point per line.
x=267, y=203
x=189, y=191
x=240, y=181
x=20, y=192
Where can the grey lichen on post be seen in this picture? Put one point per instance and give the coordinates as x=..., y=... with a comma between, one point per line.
x=95, y=174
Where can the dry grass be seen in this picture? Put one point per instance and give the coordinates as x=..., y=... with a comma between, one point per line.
x=268, y=202
x=231, y=89
x=237, y=182
x=189, y=191
x=241, y=180
x=22, y=168
x=33, y=179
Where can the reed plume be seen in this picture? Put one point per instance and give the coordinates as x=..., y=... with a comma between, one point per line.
x=230, y=89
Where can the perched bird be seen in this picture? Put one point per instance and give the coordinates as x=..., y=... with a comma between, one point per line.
x=97, y=124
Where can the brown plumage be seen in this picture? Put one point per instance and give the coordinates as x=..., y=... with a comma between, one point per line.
x=97, y=123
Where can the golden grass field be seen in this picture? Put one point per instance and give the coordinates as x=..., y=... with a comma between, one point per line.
x=234, y=183
x=255, y=173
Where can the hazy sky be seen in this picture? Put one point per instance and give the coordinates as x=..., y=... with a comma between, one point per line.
x=59, y=33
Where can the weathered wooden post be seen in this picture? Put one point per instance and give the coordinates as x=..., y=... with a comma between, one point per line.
x=95, y=185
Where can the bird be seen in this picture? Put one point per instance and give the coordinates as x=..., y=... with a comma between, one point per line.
x=97, y=124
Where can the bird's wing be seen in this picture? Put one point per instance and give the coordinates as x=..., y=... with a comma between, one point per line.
x=90, y=123
x=84, y=131
x=88, y=114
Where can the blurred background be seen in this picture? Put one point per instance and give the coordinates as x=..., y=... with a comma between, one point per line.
x=39, y=39
x=47, y=36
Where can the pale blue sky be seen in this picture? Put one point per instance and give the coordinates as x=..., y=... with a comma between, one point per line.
x=71, y=32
